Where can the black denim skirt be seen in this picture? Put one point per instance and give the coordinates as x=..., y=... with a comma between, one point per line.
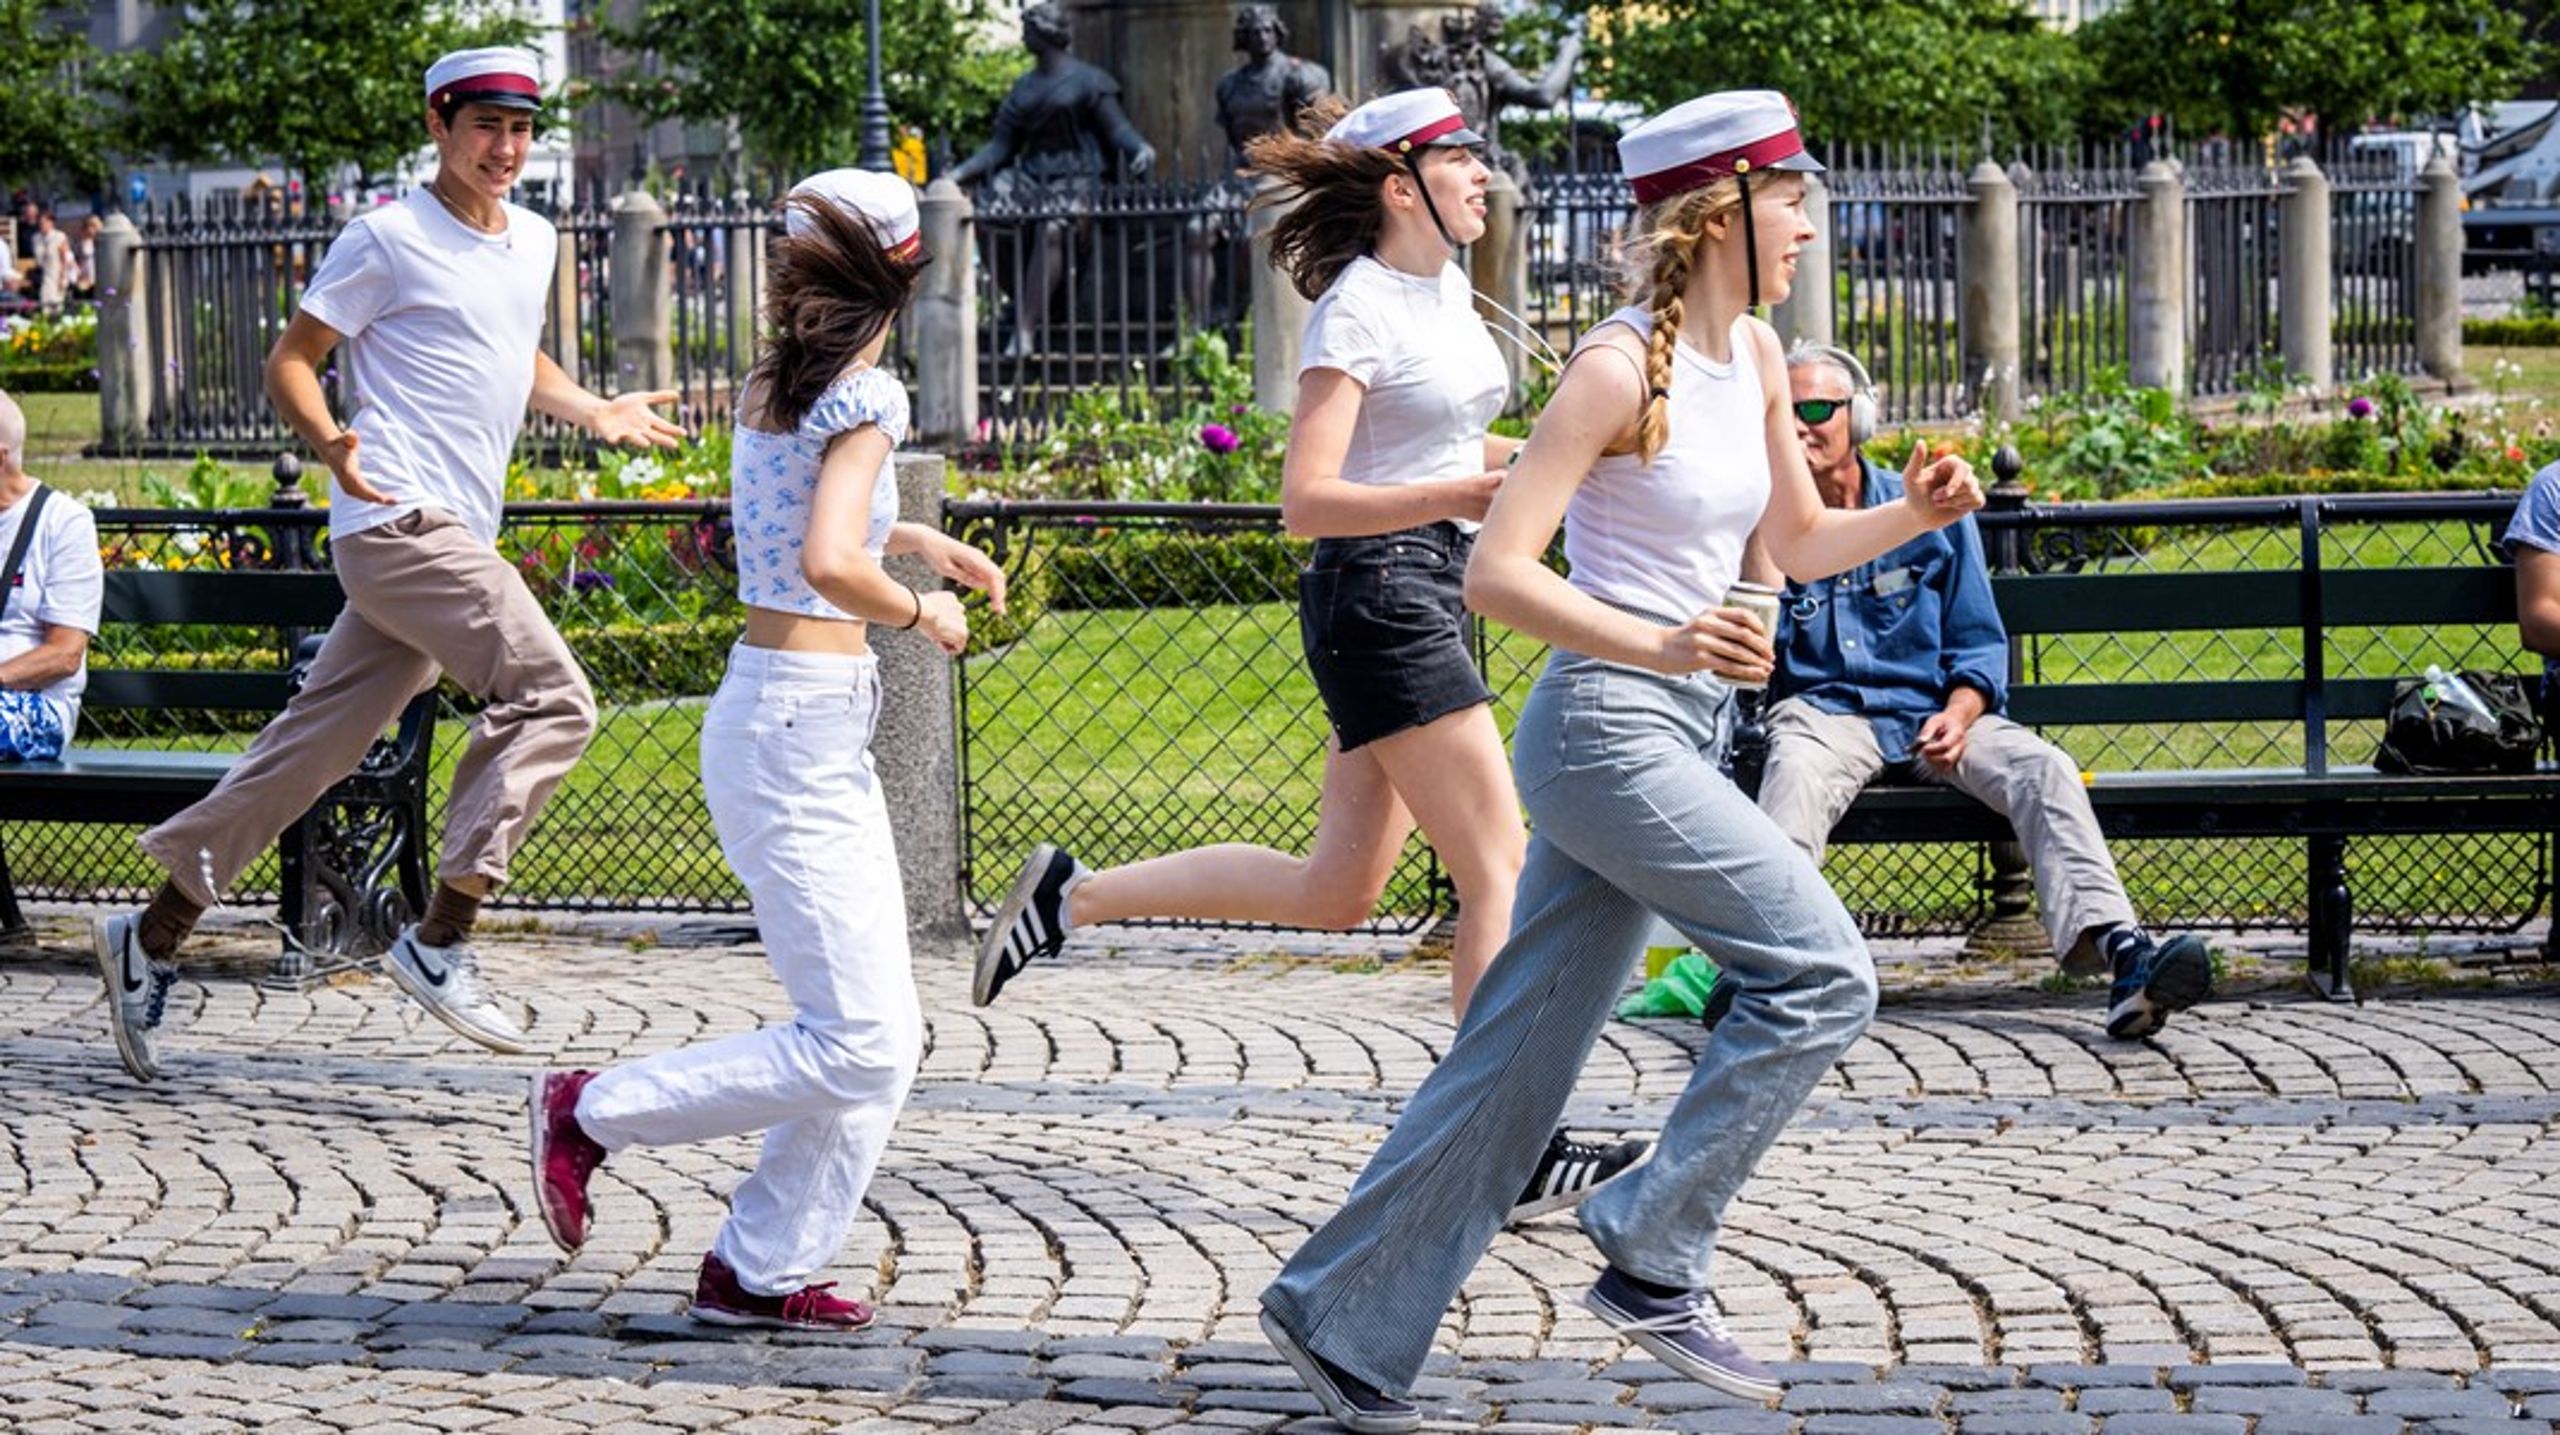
x=1383, y=622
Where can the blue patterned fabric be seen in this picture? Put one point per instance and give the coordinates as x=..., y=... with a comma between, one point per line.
x=773, y=479
x=30, y=728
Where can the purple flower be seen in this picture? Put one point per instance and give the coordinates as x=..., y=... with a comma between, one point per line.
x=588, y=579
x=2360, y=407
x=1218, y=438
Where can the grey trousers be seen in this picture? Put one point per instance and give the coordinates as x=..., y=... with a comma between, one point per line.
x=1819, y=760
x=1630, y=816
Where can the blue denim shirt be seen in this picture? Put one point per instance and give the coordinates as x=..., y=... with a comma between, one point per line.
x=1890, y=638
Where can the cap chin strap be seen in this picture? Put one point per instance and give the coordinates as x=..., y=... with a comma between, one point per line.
x=1413, y=166
x=1750, y=237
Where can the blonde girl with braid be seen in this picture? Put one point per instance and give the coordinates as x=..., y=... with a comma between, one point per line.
x=1667, y=443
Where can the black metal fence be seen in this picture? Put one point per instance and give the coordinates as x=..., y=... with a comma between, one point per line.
x=2075, y=226
x=1895, y=219
x=2373, y=265
x=2235, y=250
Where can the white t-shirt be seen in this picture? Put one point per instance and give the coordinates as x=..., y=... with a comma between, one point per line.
x=442, y=323
x=60, y=586
x=1434, y=378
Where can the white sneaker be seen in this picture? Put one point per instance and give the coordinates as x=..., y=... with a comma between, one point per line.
x=446, y=981
x=137, y=991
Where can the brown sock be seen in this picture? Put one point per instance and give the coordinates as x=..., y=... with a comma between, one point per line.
x=167, y=920
x=450, y=913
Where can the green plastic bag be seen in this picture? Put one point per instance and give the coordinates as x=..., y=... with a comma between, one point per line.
x=1683, y=989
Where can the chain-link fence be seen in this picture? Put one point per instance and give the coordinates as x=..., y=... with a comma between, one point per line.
x=1150, y=696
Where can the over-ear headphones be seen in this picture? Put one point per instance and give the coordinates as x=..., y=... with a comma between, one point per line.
x=1864, y=415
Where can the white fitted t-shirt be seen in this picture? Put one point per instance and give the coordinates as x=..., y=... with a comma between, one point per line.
x=773, y=481
x=442, y=324
x=60, y=585
x=1433, y=376
x=1666, y=537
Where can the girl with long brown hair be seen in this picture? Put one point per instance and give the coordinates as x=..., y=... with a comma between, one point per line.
x=787, y=772
x=1667, y=442
x=1389, y=469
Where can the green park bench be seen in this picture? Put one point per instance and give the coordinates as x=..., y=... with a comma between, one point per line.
x=2046, y=586
x=353, y=868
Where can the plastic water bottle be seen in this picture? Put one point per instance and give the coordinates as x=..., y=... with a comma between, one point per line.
x=2449, y=687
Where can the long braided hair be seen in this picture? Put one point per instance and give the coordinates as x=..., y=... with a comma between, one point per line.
x=1654, y=262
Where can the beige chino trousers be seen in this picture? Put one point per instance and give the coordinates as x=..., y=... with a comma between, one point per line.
x=1819, y=761
x=423, y=596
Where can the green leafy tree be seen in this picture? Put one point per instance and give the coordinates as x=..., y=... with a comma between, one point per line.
x=48, y=129
x=1878, y=71
x=2239, y=67
x=792, y=73
x=316, y=84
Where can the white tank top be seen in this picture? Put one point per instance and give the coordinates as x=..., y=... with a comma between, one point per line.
x=1666, y=537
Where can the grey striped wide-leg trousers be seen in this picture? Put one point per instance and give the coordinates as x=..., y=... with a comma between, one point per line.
x=1631, y=816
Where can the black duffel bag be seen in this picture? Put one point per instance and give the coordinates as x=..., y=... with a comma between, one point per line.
x=2429, y=733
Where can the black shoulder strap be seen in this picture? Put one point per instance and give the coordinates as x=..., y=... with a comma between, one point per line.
x=18, y=549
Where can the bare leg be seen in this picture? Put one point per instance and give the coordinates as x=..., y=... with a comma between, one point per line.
x=1360, y=829
x=1456, y=780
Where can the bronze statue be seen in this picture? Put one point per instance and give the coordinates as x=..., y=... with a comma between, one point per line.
x=1056, y=135
x=1265, y=93
x=1463, y=62
x=1058, y=121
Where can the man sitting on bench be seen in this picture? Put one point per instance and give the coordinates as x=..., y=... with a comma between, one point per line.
x=51, y=584
x=1901, y=663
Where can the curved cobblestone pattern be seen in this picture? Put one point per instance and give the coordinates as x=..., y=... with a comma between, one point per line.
x=1990, y=1218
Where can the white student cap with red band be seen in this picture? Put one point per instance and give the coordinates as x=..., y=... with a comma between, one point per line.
x=498, y=75
x=886, y=202
x=1403, y=122
x=1694, y=144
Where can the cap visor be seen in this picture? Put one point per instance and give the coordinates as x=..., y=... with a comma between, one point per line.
x=504, y=99
x=1459, y=138
x=1801, y=162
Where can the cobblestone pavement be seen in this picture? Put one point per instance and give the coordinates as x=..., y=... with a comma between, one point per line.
x=2280, y=1216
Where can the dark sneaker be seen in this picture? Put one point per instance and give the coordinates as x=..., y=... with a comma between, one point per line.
x=137, y=991
x=1570, y=1171
x=1353, y=1403
x=564, y=1156
x=446, y=981
x=719, y=1299
x=1683, y=1332
x=1031, y=924
x=2153, y=980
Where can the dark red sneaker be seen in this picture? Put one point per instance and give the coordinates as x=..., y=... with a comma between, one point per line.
x=564, y=1156
x=719, y=1299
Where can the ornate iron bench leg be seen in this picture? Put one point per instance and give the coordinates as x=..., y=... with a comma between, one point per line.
x=13, y=923
x=2332, y=919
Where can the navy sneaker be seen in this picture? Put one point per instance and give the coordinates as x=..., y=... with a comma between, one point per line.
x=2153, y=980
x=1031, y=924
x=1570, y=1171
x=1683, y=1332
x=1354, y=1404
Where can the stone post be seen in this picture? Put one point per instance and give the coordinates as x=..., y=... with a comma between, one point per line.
x=1806, y=317
x=568, y=334
x=917, y=744
x=945, y=315
x=1279, y=320
x=2158, y=298
x=2305, y=300
x=1498, y=265
x=124, y=337
x=1987, y=256
x=643, y=296
x=2010, y=927
x=2440, y=270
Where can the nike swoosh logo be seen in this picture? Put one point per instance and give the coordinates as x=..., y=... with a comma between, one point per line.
x=428, y=967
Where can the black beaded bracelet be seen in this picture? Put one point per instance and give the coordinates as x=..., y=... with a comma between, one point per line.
x=919, y=613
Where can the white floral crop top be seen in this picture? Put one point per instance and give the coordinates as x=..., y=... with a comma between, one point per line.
x=773, y=479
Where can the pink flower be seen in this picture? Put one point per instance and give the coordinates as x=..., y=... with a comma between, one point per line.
x=1218, y=438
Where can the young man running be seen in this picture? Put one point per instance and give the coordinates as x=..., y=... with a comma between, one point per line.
x=435, y=307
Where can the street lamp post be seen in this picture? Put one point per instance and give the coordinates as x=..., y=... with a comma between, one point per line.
x=875, y=102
